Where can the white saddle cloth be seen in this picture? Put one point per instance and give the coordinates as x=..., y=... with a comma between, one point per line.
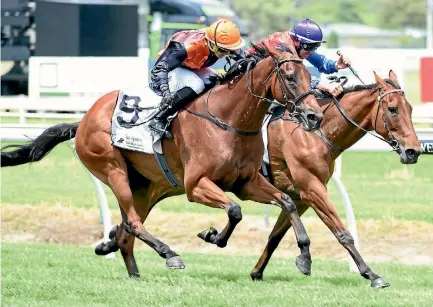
x=129, y=124
x=265, y=132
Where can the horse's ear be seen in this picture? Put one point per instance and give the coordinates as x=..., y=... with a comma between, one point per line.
x=272, y=51
x=393, y=77
x=379, y=81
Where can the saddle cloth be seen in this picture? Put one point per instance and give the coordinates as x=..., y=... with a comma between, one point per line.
x=135, y=107
x=265, y=136
x=270, y=115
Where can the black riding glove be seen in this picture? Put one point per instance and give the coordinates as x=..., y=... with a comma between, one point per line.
x=167, y=98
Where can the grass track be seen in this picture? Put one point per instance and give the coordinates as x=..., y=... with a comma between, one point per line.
x=63, y=275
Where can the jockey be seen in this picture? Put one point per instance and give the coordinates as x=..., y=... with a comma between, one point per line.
x=183, y=69
x=306, y=36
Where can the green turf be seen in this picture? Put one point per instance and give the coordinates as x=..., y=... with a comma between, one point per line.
x=61, y=275
x=48, y=121
x=379, y=186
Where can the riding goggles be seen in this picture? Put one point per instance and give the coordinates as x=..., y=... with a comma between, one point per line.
x=221, y=50
x=310, y=47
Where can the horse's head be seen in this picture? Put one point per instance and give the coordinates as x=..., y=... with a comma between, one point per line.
x=393, y=121
x=292, y=86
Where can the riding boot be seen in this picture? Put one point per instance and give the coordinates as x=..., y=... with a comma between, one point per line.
x=158, y=124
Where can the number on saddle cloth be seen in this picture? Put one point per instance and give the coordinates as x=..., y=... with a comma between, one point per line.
x=128, y=108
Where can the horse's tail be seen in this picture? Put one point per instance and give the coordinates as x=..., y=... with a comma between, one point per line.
x=39, y=147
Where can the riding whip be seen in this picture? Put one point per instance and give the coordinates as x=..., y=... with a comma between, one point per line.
x=351, y=69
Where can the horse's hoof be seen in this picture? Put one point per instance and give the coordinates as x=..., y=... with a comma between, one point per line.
x=175, y=263
x=206, y=235
x=134, y=275
x=113, y=232
x=256, y=276
x=304, y=265
x=222, y=244
x=102, y=249
x=379, y=283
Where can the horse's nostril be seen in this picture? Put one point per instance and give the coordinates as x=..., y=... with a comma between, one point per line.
x=410, y=152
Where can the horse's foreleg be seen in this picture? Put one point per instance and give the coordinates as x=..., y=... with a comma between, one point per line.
x=208, y=193
x=317, y=196
x=260, y=190
x=278, y=232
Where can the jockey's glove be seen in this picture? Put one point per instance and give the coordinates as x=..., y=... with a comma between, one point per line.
x=165, y=90
x=166, y=96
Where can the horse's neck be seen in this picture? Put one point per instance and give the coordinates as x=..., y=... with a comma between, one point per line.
x=360, y=106
x=236, y=106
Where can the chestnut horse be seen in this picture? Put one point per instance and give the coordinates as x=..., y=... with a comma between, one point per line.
x=302, y=163
x=205, y=159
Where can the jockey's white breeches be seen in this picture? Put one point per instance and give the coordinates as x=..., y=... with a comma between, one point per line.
x=180, y=77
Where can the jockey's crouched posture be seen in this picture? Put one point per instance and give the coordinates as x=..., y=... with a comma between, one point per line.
x=306, y=36
x=183, y=69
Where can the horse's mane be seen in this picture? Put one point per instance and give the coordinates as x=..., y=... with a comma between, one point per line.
x=260, y=52
x=361, y=87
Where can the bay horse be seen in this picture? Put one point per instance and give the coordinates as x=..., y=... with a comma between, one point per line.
x=301, y=163
x=204, y=159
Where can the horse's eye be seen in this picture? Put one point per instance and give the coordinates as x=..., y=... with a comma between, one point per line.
x=393, y=110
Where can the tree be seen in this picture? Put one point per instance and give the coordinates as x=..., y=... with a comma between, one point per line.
x=266, y=17
x=398, y=14
x=278, y=15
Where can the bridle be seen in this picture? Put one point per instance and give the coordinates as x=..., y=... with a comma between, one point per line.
x=392, y=140
x=292, y=103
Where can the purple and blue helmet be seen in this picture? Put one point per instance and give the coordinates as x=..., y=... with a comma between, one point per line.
x=308, y=33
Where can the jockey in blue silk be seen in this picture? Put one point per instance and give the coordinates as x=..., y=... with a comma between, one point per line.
x=306, y=36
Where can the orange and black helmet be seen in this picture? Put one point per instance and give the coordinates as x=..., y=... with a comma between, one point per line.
x=225, y=34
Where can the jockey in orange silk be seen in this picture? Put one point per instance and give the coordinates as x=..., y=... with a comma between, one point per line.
x=183, y=69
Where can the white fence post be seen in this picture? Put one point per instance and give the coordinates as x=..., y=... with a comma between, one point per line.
x=22, y=113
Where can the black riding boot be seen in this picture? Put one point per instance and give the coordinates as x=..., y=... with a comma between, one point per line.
x=159, y=122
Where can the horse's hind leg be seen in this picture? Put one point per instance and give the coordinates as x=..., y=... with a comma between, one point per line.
x=146, y=198
x=139, y=187
x=260, y=190
x=208, y=193
x=107, y=163
x=317, y=196
x=121, y=238
x=280, y=228
x=111, y=168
